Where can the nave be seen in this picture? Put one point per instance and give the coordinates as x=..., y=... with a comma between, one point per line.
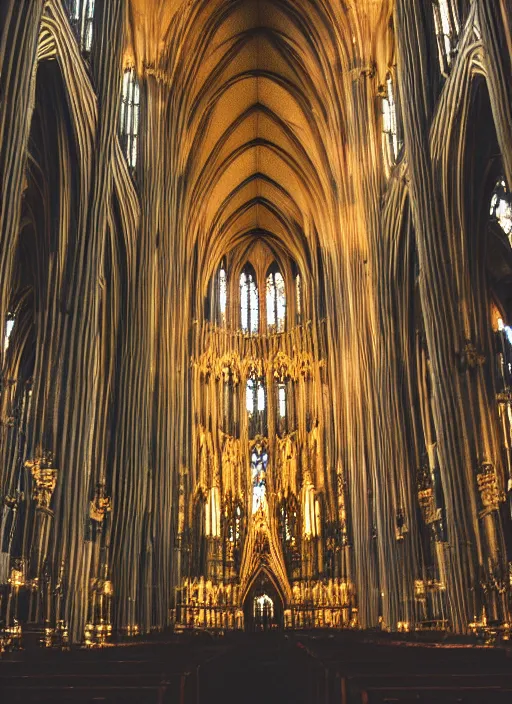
x=304, y=668
x=256, y=308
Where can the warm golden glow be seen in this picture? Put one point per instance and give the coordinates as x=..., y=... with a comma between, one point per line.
x=269, y=357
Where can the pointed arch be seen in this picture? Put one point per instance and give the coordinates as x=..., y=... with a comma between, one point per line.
x=266, y=571
x=249, y=300
x=276, y=299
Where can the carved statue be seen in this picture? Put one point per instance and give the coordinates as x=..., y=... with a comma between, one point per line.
x=490, y=493
x=287, y=463
x=45, y=479
x=100, y=505
x=231, y=465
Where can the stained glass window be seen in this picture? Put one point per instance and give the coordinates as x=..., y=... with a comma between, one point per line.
x=389, y=122
x=259, y=461
x=81, y=14
x=298, y=297
x=9, y=324
x=263, y=608
x=276, y=301
x=256, y=403
x=281, y=409
x=505, y=354
x=281, y=400
x=249, y=302
x=506, y=329
x=223, y=293
x=129, y=116
x=447, y=29
x=501, y=208
x=255, y=395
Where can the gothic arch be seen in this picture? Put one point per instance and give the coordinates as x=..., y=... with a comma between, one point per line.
x=262, y=577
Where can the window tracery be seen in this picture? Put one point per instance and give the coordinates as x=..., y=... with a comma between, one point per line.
x=447, y=28
x=259, y=462
x=129, y=116
x=256, y=404
x=281, y=398
x=298, y=297
x=263, y=608
x=504, y=356
x=390, y=130
x=276, y=300
x=81, y=15
x=249, y=302
x=501, y=208
x=223, y=293
x=281, y=416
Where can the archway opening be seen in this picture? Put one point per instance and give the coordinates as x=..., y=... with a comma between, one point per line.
x=263, y=606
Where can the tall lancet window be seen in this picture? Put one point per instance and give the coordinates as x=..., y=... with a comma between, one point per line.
x=223, y=293
x=256, y=404
x=501, y=208
x=9, y=324
x=393, y=142
x=281, y=400
x=249, y=302
x=81, y=14
x=447, y=30
x=276, y=300
x=298, y=298
x=259, y=461
x=129, y=116
x=281, y=403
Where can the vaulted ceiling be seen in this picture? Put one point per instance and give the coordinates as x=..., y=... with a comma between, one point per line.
x=260, y=90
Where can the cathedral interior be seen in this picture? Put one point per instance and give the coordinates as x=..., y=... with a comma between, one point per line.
x=256, y=307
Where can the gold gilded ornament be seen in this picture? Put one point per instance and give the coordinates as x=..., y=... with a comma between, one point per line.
x=101, y=504
x=428, y=507
x=283, y=367
x=45, y=479
x=490, y=493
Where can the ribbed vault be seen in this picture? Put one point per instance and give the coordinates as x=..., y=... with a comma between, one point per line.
x=262, y=125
